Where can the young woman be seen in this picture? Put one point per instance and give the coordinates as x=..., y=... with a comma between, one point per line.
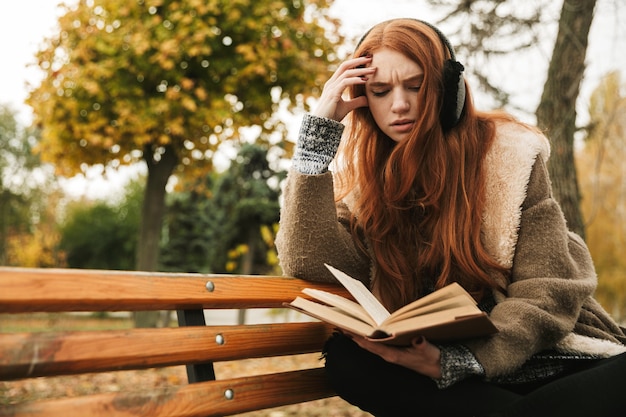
x=427, y=191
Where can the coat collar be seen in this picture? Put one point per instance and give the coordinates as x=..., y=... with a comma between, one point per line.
x=509, y=163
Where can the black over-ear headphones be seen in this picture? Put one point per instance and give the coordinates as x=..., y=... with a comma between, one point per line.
x=453, y=83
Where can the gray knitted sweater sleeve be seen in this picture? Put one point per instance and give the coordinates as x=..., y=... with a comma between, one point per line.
x=457, y=363
x=317, y=144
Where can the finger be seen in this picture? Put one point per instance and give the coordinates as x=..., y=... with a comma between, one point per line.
x=358, y=102
x=417, y=341
x=332, y=103
x=355, y=103
x=426, y=349
x=354, y=76
x=423, y=346
x=379, y=349
x=359, y=73
x=361, y=341
x=348, y=333
x=359, y=62
x=349, y=67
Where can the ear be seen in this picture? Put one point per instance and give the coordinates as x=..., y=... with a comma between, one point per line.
x=453, y=94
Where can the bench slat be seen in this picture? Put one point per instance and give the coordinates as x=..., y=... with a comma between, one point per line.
x=55, y=290
x=36, y=354
x=27, y=355
x=195, y=400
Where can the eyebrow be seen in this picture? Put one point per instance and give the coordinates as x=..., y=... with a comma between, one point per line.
x=414, y=78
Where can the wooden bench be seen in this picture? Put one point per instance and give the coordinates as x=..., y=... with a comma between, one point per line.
x=192, y=343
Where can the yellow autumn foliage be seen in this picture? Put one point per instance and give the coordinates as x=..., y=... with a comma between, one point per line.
x=119, y=73
x=603, y=186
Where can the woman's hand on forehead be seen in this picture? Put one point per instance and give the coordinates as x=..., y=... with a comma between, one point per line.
x=332, y=103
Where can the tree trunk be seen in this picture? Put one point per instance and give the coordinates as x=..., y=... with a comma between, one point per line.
x=247, y=269
x=556, y=112
x=152, y=213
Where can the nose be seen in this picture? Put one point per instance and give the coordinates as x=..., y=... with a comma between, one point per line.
x=401, y=103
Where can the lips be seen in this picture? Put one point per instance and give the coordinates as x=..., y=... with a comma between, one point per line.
x=403, y=125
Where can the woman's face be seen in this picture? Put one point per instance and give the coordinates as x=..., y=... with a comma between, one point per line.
x=392, y=92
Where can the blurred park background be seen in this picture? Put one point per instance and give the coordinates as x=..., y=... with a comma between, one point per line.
x=155, y=134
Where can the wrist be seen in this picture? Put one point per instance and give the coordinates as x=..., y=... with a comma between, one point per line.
x=317, y=144
x=457, y=363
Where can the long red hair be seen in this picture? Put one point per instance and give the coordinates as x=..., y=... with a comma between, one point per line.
x=419, y=203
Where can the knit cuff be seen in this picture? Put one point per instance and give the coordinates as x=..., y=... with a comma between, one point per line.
x=317, y=144
x=457, y=363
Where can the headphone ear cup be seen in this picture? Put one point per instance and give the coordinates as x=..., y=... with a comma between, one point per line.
x=453, y=94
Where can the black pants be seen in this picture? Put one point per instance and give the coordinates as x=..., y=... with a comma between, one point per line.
x=384, y=389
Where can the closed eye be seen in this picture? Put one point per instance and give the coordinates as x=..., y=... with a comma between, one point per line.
x=380, y=93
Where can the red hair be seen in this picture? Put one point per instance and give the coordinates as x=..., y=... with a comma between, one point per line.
x=419, y=202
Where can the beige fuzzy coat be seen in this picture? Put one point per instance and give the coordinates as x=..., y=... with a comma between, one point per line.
x=549, y=300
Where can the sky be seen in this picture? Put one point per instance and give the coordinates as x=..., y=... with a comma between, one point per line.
x=25, y=23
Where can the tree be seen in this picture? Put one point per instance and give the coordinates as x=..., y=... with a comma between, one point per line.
x=223, y=217
x=21, y=195
x=485, y=32
x=245, y=199
x=603, y=187
x=166, y=81
x=13, y=210
x=115, y=225
x=556, y=112
x=37, y=246
x=187, y=229
x=500, y=27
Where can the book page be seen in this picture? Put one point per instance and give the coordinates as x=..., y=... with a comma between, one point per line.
x=348, y=306
x=445, y=304
x=364, y=297
x=331, y=315
x=447, y=292
x=432, y=319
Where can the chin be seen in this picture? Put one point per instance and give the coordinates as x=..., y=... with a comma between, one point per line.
x=399, y=138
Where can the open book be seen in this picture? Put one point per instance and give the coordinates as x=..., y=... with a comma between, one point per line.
x=447, y=314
